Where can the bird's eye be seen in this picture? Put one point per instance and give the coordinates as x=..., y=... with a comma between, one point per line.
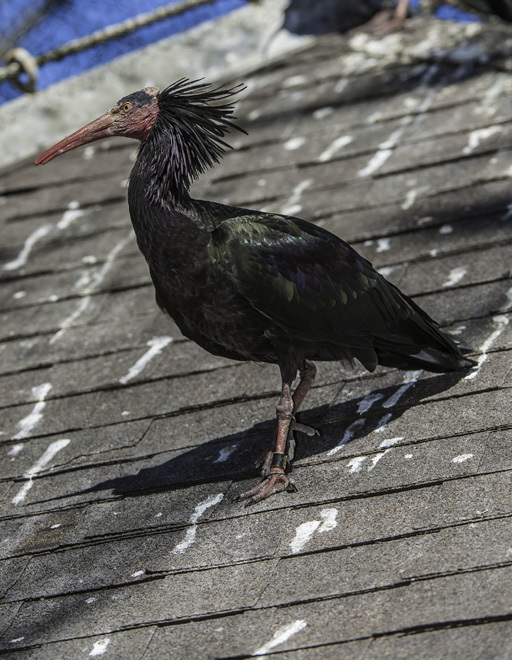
x=126, y=107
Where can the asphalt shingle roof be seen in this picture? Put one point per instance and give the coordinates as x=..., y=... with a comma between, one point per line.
x=124, y=444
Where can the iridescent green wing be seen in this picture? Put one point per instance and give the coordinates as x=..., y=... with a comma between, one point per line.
x=309, y=282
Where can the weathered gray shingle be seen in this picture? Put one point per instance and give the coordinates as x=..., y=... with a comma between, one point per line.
x=124, y=444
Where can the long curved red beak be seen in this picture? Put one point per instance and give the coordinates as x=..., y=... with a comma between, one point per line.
x=97, y=130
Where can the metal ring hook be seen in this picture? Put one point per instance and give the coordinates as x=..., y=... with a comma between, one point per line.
x=28, y=66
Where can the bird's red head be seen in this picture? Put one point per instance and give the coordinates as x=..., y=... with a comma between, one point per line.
x=133, y=116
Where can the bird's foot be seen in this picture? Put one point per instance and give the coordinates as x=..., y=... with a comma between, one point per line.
x=275, y=482
x=303, y=428
x=291, y=442
x=383, y=23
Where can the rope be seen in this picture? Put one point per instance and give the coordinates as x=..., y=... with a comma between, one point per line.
x=20, y=61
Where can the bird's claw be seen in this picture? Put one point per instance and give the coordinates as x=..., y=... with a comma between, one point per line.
x=275, y=482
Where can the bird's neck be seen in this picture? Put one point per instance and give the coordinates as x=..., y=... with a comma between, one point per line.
x=162, y=213
x=160, y=175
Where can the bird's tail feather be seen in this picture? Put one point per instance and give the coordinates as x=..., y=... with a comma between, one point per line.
x=430, y=359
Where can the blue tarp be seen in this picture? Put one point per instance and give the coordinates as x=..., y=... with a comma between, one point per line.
x=70, y=19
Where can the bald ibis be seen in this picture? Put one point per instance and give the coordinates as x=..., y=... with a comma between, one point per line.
x=249, y=285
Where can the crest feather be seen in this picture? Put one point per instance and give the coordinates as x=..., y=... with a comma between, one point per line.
x=192, y=121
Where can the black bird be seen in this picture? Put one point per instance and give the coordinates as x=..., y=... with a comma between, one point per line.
x=248, y=285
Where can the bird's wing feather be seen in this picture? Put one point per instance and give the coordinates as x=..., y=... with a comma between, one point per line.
x=310, y=283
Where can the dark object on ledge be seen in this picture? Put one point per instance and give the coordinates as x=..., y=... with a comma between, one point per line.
x=500, y=8
x=248, y=285
x=391, y=20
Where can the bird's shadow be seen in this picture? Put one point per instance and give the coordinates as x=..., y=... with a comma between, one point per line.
x=236, y=457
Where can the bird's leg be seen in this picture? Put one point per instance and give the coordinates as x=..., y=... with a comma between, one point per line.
x=386, y=21
x=307, y=377
x=283, y=441
x=277, y=480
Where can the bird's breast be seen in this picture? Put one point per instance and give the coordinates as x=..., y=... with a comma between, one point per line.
x=209, y=310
